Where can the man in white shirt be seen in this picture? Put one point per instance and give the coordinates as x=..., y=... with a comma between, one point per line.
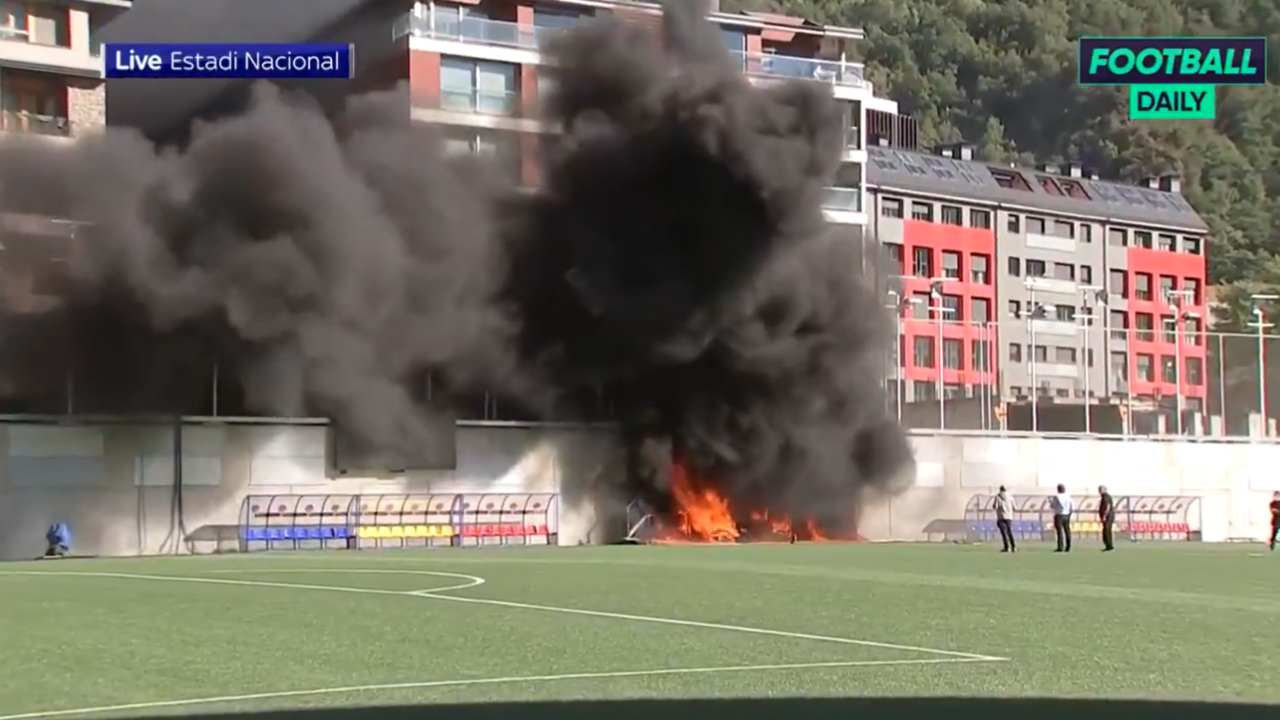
x=1061, y=504
x=1004, y=514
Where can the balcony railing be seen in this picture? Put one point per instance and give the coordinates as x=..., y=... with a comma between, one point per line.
x=501, y=32
x=26, y=122
x=842, y=199
x=486, y=102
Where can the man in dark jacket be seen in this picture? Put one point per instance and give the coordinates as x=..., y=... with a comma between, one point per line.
x=1107, y=516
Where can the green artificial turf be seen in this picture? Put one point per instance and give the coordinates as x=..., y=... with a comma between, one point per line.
x=1167, y=622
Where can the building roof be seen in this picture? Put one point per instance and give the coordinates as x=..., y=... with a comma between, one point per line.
x=975, y=180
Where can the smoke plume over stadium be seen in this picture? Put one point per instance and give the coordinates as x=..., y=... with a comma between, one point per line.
x=675, y=257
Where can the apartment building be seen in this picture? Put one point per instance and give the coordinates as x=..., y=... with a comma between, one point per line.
x=474, y=68
x=1076, y=283
x=51, y=80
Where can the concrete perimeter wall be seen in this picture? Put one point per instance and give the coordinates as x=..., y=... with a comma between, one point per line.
x=113, y=483
x=1234, y=480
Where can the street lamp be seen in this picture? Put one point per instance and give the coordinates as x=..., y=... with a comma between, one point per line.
x=1035, y=311
x=1177, y=300
x=1261, y=324
x=935, y=291
x=898, y=305
x=1100, y=297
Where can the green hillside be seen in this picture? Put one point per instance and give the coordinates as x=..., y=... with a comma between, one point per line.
x=1002, y=75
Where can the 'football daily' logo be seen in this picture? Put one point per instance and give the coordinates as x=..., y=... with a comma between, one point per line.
x=1172, y=77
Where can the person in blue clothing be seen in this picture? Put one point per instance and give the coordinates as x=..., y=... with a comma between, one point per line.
x=59, y=539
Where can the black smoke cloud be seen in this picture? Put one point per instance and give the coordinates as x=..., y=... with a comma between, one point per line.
x=676, y=256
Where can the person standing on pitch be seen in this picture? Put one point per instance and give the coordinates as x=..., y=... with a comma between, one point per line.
x=1062, y=518
x=1107, y=516
x=1004, y=514
x=1275, y=519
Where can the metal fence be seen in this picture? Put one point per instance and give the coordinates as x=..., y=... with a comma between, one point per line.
x=1064, y=375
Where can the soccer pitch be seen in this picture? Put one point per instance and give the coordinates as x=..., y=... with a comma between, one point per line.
x=743, y=631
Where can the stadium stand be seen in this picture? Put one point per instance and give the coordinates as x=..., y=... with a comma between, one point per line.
x=1138, y=517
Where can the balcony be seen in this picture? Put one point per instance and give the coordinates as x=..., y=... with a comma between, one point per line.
x=509, y=34
x=1051, y=242
x=1052, y=285
x=18, y=50
x=1054, y=369
x=25, y=122
x=1053, y=327
x=842, y=199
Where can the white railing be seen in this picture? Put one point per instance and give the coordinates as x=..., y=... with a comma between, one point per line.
x=480, y=101
x=27, y=122
x=509, y=34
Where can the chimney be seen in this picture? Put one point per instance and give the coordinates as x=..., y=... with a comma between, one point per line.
x=1047, y=168
x=1171, y=183
x=946, y=151
x=1150, y=182
x=1072, y=170
x=966, y=151
x=1093, y=175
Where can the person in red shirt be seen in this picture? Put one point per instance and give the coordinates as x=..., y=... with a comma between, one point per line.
x=1275, y=519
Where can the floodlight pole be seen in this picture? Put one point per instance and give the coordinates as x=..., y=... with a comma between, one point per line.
x=1262, y=360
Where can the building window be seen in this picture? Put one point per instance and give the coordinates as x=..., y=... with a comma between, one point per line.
x=1119, y=325
x=44, y=24
x=1142, y=239
x=951, y=264
x=1015, y=267
x=1146, y=370
x=1167, y=286
x=735, y=41
x=891, y=207
x=1064, y=271
x=1009, y=179
x=1143, y=289
x=1042, y=353
x=1170, y=328
x=1119, y=366
x=1035, y=225
x=1064, y=229
x=1117, y=237
x=979, y=359
x=1015, y=309
x=920, y=308
x=13, y=15
x=1144, y=323
x=980, y=219
x=1193, y=285
x=1062, y=392
x=1086, y=232
x=1048, y=185
x=1065, y=355
x=952, y=303
x=1169, y=368
x=1015, y=352
x=924, y=390
x=952, y=215
x=1086, y=273
x=478, y=86
x=1065, y=313
x=1035, y=268
x=895, y=254
x=981, y=310
x=1191, y=329
x=1015, y=223
x=1195, y=371
x=923, y=352
x=1016, y=391
x=978, y=269
x=922, y=262
x=922, y=211
x=1168, y=242
x=953, y=354
x=1119, y=283
x=1191, y=245
x=1089, y=360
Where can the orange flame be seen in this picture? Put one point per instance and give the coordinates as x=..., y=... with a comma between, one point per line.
x=815, y=535
x=704, y=514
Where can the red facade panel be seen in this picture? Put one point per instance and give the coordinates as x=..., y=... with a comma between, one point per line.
x=424, y=78
x=968, y=243
x=1153, y=265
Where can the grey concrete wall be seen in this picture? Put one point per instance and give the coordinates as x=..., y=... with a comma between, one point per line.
x=113, y=484
x=1234, y=481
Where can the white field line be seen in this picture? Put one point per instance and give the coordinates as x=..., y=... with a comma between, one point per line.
x=711, y=626
x=479, y=681
x=472, y=581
